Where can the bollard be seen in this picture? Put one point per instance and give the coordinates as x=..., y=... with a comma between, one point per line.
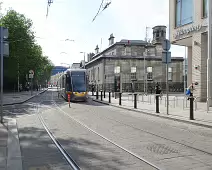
x=109, y=97
x=135, y=100
x=157, y=103
x=92, y=92
x=104, y=93
x=101, y=95
x=97, y=95
x=191, y=108
x=120, y=98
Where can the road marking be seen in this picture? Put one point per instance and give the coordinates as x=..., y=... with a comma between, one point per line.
x=126, y=150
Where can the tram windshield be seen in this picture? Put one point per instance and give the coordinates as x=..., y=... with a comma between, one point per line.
x=78, y=81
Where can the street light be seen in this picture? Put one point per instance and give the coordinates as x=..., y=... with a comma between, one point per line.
x=84, y=58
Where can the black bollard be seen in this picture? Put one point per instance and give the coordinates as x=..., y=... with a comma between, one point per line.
x=101, y=95
x=157, y=103
x=135, y=100
x=109, y=97
x=97, y=95
x=120, y=98
x=104, y=93
x=92, y=93
x=191, y=108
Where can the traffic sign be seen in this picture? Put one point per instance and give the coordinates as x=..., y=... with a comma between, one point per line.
x=166, y=45
x=31, y=72
x=166, y=57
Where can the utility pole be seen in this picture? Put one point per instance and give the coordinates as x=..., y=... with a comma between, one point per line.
x=18, y=76
x=209, y=83
x=4, y=51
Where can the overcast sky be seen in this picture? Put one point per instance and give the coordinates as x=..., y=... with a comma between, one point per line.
x=72, y=19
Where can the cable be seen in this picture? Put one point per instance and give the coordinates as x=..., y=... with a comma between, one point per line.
x=98, y=11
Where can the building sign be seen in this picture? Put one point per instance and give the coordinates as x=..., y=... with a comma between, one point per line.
x=187, y=31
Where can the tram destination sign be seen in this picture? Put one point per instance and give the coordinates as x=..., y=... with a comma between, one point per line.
x=188, y=30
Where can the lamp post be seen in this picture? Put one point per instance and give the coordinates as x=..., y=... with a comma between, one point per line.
x=209, y=84
x=84, y=58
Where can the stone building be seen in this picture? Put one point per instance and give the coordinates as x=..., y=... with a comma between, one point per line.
x=136, y=63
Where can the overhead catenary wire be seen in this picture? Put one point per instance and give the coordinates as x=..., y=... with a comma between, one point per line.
x=98, y=10
x=101, y=6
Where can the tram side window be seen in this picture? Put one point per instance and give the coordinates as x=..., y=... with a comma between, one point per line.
x=63, y=82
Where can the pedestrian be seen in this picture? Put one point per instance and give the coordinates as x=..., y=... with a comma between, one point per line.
x=190, y=91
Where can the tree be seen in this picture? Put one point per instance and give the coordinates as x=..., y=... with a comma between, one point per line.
x=25, y=54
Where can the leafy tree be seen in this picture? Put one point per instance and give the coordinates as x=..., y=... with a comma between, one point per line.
x=25, y=54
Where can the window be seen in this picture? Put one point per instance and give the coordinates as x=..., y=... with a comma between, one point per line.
x=149, y=73
x=205, y=8
x=117, y=69
x=98, y=73
x=184, y=12
x=133, y=76
x=170, y=74
x=133, y=69
x=127, y=50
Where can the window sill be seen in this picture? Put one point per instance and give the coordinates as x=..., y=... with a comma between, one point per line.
x=176, y=27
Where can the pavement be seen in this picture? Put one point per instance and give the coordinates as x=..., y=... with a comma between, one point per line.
x=10, y=154
x=19, y=97
x=178, y=107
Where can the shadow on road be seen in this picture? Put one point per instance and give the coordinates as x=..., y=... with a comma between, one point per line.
x=38, y=150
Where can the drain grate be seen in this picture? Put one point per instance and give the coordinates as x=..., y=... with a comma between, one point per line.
x=161, y=149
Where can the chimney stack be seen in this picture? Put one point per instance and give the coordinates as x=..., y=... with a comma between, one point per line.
x=111, y=39
x=97, y=49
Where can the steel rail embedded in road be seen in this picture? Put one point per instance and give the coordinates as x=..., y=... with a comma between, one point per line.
x=68, y=158
x=129, y=152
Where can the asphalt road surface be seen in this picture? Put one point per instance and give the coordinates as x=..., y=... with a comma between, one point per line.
x=93, y=136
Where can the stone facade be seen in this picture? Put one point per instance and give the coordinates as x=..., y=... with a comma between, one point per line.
x=194, y=37
x=127, y=55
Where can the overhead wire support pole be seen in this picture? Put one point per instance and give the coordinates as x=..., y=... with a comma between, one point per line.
x=49, y=2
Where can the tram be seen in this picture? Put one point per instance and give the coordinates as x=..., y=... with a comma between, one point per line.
x=75, y=83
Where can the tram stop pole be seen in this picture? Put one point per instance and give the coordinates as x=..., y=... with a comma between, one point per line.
x=69, y=98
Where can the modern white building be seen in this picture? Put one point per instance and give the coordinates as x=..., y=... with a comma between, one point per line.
x=189, y=27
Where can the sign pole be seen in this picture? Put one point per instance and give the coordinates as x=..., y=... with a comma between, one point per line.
x=31, y=86
x=167, y=88
x=166, y=58
x=2, y=69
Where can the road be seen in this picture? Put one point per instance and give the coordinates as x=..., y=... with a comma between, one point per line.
x=96, y=136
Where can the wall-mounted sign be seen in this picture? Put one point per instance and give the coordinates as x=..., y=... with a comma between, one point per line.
x=187, y=30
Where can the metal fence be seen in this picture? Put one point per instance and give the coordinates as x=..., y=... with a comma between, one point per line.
x=177, y=87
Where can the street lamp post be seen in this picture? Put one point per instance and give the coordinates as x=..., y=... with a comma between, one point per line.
x=84, y=58
x=209, y=52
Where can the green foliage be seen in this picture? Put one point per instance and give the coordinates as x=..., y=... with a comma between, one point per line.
x=25, y=54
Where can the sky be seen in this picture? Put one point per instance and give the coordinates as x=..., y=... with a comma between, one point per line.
x=72, y=19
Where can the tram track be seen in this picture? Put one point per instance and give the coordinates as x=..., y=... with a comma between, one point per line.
x=66, y=154
x=73, y=163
